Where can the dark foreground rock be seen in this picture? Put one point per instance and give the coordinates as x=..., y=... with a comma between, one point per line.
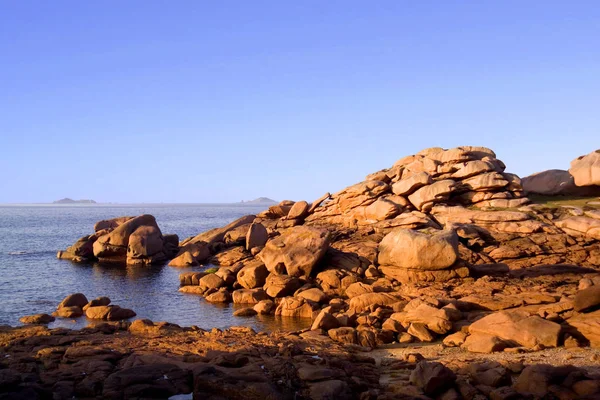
x=159, y=360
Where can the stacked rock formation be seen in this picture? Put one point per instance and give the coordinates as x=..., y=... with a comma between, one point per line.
x=126, y=240
x=442, y=245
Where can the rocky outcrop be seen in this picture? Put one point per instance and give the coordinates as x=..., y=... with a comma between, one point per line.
x=126, y=240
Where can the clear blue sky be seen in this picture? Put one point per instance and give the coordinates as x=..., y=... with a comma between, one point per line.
x=198, y=101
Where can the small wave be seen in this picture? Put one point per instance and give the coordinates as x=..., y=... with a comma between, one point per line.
x=17, y=253
x=29, y=253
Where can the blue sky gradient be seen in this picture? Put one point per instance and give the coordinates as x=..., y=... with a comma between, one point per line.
x=192, y=101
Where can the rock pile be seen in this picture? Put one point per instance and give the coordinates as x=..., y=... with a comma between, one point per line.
x=125, y=240
x=76, y=305
x=417, y=252
x=441, y=246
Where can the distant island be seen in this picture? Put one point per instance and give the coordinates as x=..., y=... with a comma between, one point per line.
x=261, y=200
x=67, y=200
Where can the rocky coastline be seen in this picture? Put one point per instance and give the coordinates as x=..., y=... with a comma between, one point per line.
x=435, y=278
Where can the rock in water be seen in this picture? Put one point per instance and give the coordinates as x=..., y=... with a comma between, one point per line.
x=296, y=251
x=41, y=319
x=405, y=248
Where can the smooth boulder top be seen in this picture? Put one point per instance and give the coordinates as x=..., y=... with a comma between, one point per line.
x=586, y=169
x=406, y=248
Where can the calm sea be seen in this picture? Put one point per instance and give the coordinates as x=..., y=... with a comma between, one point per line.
x=33, y=280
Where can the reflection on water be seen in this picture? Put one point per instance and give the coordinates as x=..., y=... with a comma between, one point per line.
x=32, y=280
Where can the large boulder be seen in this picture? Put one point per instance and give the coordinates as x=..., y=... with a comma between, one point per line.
x=256, y=236
x=299, y=210
x=432, y=377
x=550, y=183
x=145, y=246
x=109, y=313
x=281, y=285
x=249, y=296
x=253, y=275
x=587, y=299
x=520, y=328
x=296, y=251
x=405, y=248
x=588, y=326
x=74, y=300
x=295, y=307
x=586, y=169
x=137, y=241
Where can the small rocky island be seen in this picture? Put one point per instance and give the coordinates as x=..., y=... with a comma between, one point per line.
x=436, y=278
x=67, y=200
x=260, y=200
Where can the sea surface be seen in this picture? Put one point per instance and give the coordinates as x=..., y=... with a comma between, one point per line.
x=33, y=280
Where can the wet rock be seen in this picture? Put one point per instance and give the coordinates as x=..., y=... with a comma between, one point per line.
x=149, y=328
x=222, y=296
x=109, y=313
x=245, y=312
x=76, y=299
x=295, y=307
x=68, y=312
x=264, y=307
x=185, y=259
x=249, y=296
x=41, y=319
x=211, y=281
x=99, y=301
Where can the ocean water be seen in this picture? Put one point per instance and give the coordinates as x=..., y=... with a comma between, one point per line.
x=33, y=280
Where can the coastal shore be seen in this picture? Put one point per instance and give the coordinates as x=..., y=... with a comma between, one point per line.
x=435, y=278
